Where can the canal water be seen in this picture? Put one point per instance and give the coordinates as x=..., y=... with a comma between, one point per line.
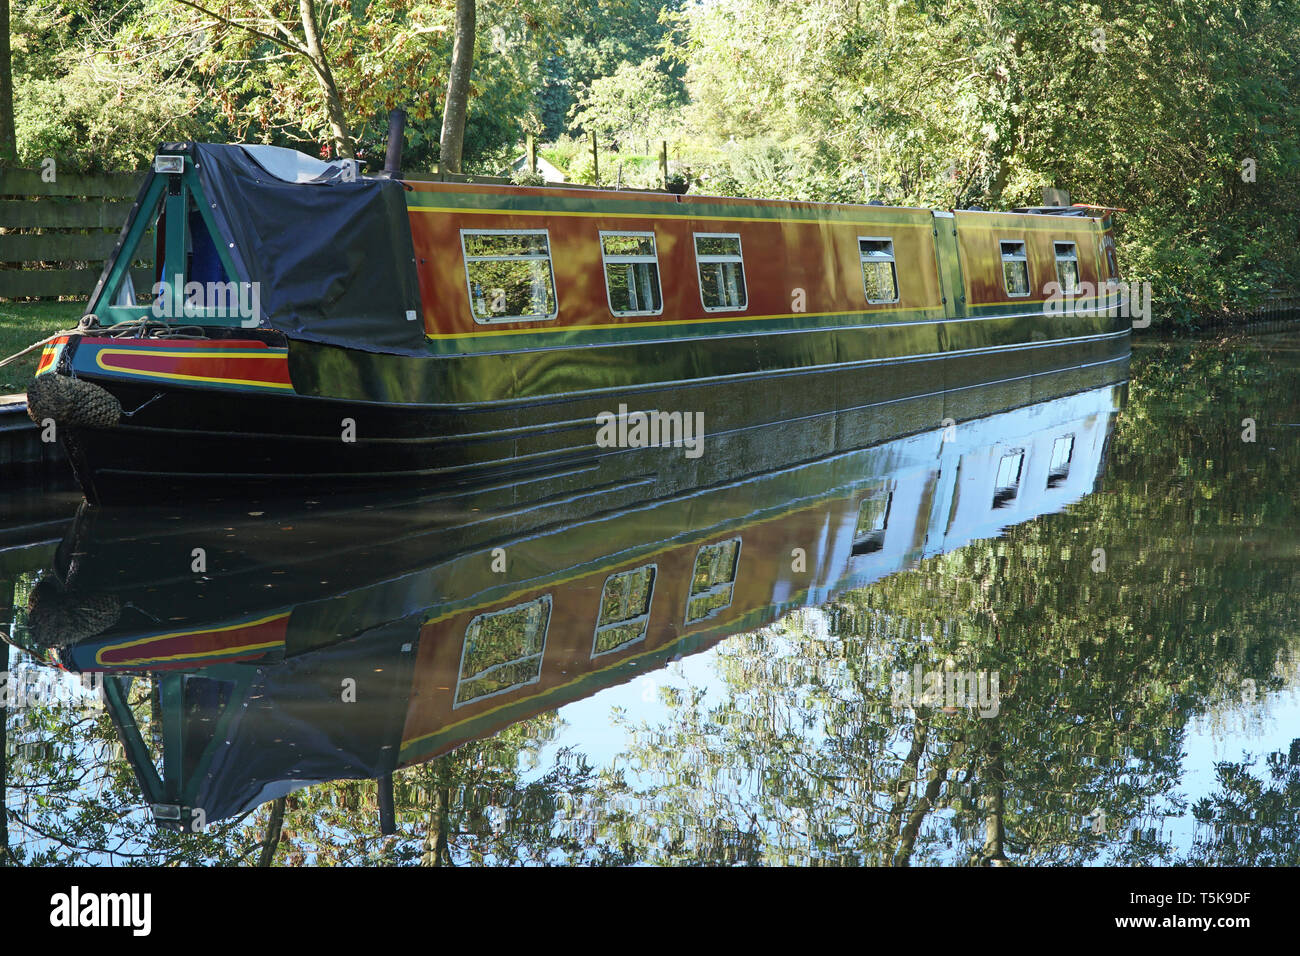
x=1066, y=634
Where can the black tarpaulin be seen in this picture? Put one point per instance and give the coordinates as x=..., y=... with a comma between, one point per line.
x=294, y=728
x=333, y=258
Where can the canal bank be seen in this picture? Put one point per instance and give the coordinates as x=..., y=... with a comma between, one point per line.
x=24, y=457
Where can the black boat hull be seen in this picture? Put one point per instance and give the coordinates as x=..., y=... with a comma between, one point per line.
x=196, y=443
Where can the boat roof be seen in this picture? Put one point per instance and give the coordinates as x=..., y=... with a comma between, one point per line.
x=293, y=166
x=571, y=190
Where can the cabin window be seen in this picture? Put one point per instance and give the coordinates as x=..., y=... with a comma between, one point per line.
x=1007, y=485
x=873, y=518
x=509, y=274
x=1062, y=452
x=1067, y=267
x=624, y=610
x=503, y=650
x=631, y=273
x=1015, y=268
x=722, y=272
x=879, y=272
x=713, y=579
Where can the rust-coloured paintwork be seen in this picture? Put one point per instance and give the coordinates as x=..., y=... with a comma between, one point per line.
x=787, y=247
x=763, y=576
x=979, y=235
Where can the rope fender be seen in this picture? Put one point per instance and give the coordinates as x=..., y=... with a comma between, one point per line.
x=57, y=617
x=71, y=401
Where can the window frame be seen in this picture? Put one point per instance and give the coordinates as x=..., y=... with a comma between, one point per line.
x=1003, y=259
x=456, y=702
x=1058, y=475
x=605, y=260
x=1074, y=257
x=893, y=264
x=649, y=609
x=873, y=539
x=1108, y=257
x=1023, y=455
x=738, y=259
x=550, y=265
x=687, y=621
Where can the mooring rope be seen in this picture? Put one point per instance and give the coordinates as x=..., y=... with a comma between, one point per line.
x=42, y=342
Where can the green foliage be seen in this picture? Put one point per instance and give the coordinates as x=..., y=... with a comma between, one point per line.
x=100, y=87
x=1249, y=821
x=634, y=103
x=1186, y=114
x=599, y=37
x=528, y=177
x=91, y=102
x=1150, y=107
x=628, y=169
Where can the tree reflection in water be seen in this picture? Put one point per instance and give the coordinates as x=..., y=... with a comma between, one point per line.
x=796, y=749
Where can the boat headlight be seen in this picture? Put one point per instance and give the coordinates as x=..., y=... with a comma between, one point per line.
x=171, y=165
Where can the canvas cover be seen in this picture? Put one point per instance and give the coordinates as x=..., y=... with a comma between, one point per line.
x=332, y=253
x=293, y=729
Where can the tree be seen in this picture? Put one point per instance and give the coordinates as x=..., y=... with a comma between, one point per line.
x=262, y=22
x=93, y=93
x=99, y=86
x=8, y=134
x=1248, y=821
x=636, y=99
x=457, y=103
x=1186, y=114
x=598, y=39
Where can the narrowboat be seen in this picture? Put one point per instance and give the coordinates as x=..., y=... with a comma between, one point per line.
x=306, y=329
x=448, y=646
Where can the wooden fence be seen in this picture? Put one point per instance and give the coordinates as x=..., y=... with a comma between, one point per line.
x=55, y=236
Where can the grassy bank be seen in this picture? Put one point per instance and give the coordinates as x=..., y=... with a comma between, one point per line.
x=21, y=324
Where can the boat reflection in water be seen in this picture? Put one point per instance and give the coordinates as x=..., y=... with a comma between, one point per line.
x=330, y=645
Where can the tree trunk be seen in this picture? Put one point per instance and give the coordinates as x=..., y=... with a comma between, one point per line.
x=995, y=853
x=8, y=137
x=938, y=776
x=274, y=827
x=435, y=838
x=462, y=65
x=325, y=76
